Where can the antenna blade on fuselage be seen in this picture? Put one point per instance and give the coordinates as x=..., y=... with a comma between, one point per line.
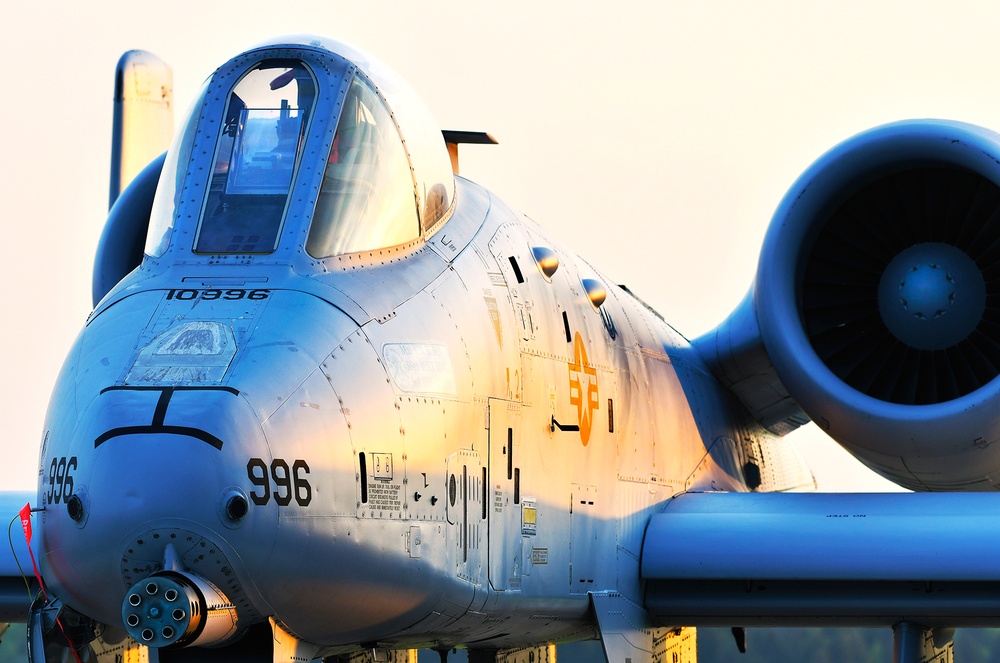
x=143, y=116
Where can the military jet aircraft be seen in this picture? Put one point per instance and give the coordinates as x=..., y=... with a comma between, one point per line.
x=335, y=400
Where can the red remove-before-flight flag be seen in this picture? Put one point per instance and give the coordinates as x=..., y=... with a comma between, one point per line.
x=26, y=526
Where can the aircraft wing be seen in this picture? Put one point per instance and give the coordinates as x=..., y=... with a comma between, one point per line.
x=796, y=559
x=17, y=583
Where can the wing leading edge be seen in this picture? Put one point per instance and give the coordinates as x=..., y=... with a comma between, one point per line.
x=787, y=559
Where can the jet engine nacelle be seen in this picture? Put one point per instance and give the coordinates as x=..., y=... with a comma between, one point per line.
x=121, y=246
x=876, y=306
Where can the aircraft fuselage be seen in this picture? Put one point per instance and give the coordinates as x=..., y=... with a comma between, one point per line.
x=401, y=475
x=452, y=440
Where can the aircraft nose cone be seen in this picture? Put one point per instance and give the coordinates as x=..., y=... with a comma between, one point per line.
x=932, y=296
x=158, y=467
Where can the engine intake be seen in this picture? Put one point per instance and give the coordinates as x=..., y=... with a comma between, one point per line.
x=895, y=287
x=877, y=302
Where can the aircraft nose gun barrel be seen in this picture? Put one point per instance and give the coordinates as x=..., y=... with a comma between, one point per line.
x=176, y=608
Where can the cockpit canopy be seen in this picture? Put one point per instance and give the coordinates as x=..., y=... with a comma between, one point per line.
x=364, y=202
x=255, y=158
x=311, y=145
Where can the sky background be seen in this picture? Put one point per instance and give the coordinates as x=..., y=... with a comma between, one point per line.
x=654, y=138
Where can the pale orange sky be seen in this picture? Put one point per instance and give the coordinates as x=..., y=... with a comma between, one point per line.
x=656, y=138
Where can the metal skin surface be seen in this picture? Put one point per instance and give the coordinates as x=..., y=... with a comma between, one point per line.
x=469, y=436
x=436, y=444
x=824, y=559
x=143, y=116
x=313, y=387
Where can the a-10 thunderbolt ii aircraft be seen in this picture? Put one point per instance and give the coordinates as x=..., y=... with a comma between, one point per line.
x=334, y=400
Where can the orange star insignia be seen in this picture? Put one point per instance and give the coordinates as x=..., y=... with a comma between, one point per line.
x=583, y=388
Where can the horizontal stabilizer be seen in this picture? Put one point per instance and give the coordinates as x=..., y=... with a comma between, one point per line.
x=795, y=559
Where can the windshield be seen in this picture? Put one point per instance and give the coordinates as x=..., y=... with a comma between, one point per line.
x=255, y=158
x=367, y=200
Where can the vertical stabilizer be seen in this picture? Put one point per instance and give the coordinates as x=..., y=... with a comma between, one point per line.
x=143, y=116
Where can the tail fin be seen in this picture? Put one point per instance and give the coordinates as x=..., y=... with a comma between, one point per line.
x=143, y=116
